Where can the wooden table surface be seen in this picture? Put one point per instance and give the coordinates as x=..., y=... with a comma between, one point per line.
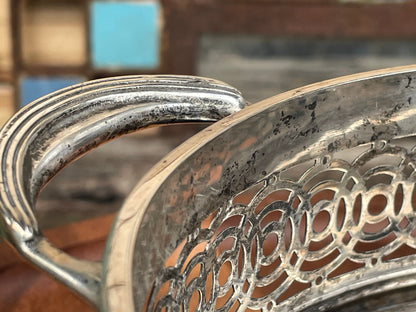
x=23, y=288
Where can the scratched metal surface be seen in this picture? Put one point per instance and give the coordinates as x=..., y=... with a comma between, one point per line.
x=247, y=197
x=46, y=135
x=188, y=216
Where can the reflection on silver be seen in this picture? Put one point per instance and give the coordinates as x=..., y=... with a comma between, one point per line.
x=51, y=132
x=302, y=202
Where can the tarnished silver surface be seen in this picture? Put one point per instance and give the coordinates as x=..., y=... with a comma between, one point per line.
x=51, y=132
x=302, y=202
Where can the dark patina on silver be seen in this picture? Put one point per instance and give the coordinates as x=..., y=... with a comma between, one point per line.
x=305, y=200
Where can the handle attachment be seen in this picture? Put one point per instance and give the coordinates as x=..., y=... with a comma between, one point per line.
x=49, y=133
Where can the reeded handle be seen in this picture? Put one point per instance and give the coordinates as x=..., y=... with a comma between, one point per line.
x=51, y=132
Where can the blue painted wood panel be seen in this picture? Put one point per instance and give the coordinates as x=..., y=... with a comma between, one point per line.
x=32, y=88
x=124, y=34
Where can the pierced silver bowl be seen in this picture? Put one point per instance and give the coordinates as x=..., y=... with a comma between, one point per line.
x=305, y=201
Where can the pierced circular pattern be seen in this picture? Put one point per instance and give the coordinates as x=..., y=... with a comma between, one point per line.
x=283, y=236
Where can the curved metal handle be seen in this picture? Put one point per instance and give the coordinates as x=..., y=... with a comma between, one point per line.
x=53, y=131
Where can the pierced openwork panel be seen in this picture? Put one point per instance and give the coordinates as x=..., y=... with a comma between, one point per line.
x=334, y=219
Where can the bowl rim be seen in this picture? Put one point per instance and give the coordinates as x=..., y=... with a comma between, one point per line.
x=117, y=292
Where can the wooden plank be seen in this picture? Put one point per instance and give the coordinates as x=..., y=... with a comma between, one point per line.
x=23, y=288
x=53, y=34
x=67, y=237
x=6, y=103
x=186, y=23
x=6, y=60
x=261, y=66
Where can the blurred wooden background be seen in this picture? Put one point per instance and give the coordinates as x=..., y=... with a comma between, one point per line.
x=262, y=47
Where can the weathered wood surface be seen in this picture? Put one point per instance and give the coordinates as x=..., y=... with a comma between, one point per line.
x=53, y=35
x=187, y=20
x=25, y=289
x=263, y=66
x=6, y=103
x=6, y=58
